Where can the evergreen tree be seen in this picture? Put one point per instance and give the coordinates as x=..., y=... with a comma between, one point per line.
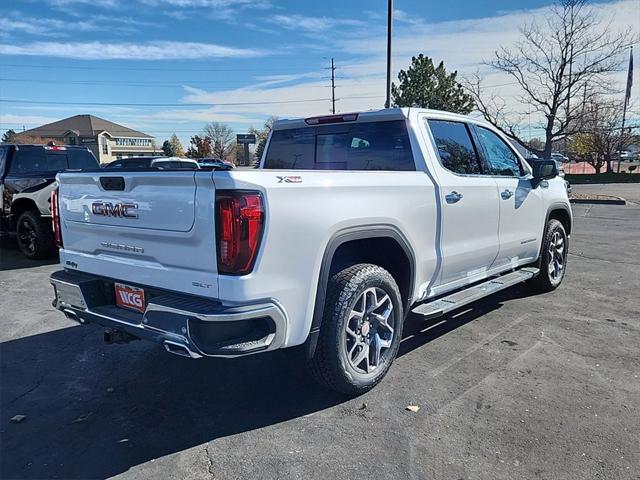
x=426, y=86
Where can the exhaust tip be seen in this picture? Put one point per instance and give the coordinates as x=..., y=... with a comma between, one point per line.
x=71, y=315
x=179, y=349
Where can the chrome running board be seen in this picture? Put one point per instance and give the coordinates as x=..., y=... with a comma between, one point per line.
x=443, y=305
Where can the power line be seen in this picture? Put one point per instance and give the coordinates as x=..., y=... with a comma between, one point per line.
x=144, y=83
x=150, y=69
x=202, y=104
x=120, y=104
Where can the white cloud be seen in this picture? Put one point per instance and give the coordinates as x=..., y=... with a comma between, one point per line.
x=15, y=122
x=313, y=24
x=93, y=3
x=156, y=50
x=17, y=22
x=259, y=4
x=404, y=17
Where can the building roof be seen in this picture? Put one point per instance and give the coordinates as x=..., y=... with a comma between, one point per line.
x=84, y=126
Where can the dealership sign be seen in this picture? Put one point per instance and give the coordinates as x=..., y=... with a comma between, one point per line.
x=245, y=138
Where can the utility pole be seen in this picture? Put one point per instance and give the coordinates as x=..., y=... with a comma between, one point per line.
x=333, y=87
x=569, y=86
x=387, y=103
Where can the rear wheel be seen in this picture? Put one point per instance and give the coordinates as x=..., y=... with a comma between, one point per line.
x=34, y=235
x=361, y=329
x=553, y=259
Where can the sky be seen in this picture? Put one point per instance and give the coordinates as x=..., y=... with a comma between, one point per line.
x=164, y=66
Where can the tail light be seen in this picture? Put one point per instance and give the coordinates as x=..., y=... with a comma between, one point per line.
x=55, y=213
x=239, y=225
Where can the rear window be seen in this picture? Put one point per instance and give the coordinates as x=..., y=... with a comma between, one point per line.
x=81, y=159
x=37, y=159
x=353, y=146
x=455, y=148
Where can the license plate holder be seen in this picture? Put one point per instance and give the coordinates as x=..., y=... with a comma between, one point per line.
x=130, y=297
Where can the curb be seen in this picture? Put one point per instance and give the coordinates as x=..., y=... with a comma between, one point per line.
x=600, y=201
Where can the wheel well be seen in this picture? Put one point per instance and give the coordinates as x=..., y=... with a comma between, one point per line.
x=19, y=206
x=563, y=217
x=385, y=252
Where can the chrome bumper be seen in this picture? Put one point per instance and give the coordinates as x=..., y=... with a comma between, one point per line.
x=185, y=325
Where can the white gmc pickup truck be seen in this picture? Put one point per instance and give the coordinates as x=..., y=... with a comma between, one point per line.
x=351, y=222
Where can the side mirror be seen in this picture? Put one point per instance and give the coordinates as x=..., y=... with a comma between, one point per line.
x=543, y=170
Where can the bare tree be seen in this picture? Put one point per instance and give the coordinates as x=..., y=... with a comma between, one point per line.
x=222, y=136
x=262, y=135
x=601, y=139
x=567, y=56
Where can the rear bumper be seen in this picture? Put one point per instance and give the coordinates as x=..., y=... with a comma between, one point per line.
x=186, y=325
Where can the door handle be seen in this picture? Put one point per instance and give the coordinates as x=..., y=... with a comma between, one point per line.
x=507, y=194
x=453, y=197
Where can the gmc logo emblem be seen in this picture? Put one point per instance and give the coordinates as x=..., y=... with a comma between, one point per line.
x=124, y=210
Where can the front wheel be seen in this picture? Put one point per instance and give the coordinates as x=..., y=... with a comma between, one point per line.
x=361, y=329
x=553, y=258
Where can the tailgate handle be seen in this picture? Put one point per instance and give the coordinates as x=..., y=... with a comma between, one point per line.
x=112, y=183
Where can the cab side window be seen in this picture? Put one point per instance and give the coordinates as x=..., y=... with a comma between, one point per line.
x=501, y=159
x=29, y=159
x=455, y=148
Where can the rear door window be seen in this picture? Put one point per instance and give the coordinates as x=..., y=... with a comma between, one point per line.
x=188, y=165
x=138, y=163
x=167, y=165
x=28, y=160
x=353, y=146
x=116, y=164
x=455, y=147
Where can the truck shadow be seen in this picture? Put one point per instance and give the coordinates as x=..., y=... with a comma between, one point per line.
x=418, y=332
x=94, y=411
x=11, y=258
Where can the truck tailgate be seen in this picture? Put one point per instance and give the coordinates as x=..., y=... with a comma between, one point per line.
x=140, y=226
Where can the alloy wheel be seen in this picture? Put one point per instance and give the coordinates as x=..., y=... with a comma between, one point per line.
x=556, y=256
x=27, y=236
x=369, y=331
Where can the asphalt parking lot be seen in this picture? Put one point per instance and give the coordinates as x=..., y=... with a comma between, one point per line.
x=515, y=387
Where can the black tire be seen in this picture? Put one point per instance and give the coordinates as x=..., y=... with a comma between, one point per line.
x=349, y=290
x=34, y=235
x=547, y=280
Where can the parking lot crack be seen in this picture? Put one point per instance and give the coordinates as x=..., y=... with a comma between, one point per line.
x=581, y=255
x=209, y=460
x=27, y=392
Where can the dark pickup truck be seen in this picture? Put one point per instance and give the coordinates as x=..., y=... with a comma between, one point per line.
x=27, y=177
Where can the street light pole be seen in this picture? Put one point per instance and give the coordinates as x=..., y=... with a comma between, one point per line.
x=387, y=103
